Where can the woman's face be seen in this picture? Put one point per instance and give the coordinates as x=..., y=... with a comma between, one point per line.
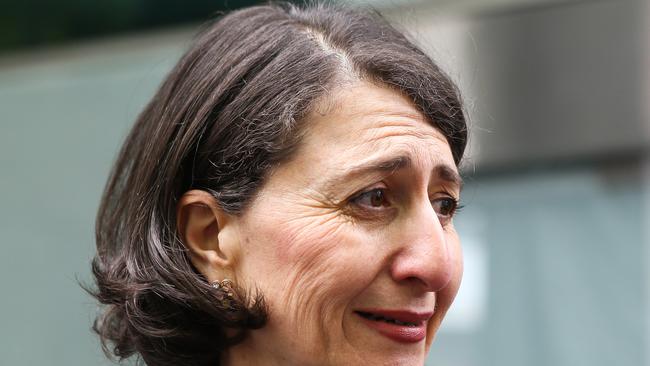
x=352, y=241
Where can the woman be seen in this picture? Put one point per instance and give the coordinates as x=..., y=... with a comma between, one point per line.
x=286, y=198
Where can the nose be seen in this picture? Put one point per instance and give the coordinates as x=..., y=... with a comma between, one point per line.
x=424, y=256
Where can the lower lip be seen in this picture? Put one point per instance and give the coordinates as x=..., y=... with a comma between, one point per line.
x=398, y=333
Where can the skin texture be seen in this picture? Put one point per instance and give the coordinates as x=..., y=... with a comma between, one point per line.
x=319, y=247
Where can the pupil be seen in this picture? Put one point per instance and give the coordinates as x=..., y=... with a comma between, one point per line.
x=445, y=207
x=377, y=198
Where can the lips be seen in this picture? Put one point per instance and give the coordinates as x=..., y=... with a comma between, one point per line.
x=403, y=326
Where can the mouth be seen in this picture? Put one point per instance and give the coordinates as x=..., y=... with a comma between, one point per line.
x=398, y=325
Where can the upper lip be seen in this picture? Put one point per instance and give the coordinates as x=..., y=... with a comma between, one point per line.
x=406, y=316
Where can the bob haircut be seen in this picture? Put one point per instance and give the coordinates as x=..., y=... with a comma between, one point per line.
x=229, y=111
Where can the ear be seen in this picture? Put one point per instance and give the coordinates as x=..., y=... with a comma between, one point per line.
x=209, y=233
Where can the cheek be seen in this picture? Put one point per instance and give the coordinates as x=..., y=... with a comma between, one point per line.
x=456, y=254
x=317, y=261
x=446, y=296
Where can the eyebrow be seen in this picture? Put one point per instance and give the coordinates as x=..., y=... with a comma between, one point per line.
x=394, y=164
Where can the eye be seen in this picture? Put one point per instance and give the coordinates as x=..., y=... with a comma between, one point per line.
x=445, y=207
x=373, y=199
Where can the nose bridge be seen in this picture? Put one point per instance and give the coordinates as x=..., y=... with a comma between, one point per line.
x=424, y=256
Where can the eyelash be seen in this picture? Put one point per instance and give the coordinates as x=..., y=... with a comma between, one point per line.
x=355, y=200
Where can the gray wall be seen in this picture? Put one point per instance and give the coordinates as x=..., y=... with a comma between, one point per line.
x=63, y=114
x=567, y=283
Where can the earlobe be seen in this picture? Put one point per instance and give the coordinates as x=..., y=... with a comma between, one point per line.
x=208, y=233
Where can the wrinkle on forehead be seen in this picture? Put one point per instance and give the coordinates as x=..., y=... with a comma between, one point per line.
x=378, y=133
x=378, y=137
x=374, y=109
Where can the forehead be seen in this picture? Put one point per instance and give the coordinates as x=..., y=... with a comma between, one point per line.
x=363, y=120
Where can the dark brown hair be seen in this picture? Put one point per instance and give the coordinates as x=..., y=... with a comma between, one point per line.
x=229, y=111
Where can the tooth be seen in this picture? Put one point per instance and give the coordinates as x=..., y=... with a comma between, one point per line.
x=387, y=320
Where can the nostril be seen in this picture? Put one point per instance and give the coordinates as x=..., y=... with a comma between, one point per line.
x=415, y=281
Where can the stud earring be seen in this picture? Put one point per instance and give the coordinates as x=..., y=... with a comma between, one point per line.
x=225, y=286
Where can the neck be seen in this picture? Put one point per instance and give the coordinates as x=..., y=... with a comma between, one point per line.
x=246, y=354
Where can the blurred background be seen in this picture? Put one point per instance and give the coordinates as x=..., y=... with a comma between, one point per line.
x=556, y=228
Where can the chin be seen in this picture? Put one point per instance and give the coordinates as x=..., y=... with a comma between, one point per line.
x=391, y=359
x=387, y=354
